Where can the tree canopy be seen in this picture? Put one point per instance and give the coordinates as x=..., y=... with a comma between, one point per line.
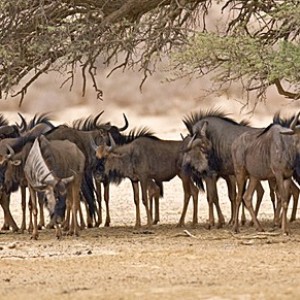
x=259, y=46
x=259, y=43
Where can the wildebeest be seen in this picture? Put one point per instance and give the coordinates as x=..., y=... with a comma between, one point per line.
x=221, y=131
x=55, y=167
x=146, y=157
x=269, y=154
x=15, y=141
x=91, y=124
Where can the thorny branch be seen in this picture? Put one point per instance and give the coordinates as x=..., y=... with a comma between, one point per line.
x=37, y=36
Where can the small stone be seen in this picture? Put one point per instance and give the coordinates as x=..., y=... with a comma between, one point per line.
x=89, y=252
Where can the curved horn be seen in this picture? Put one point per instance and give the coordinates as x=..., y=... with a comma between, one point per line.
x=190, y=144
x=97, y=118
x=181, y=135
x=67, y=180
x=126, y=124
x=11, y=151
x=23, y=124
x=112, y=142
x=44, y=178
x=295, y=120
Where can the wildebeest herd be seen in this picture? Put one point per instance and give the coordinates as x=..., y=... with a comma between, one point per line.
x=65, y=167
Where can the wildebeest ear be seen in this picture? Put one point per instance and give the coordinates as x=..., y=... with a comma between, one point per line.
x=202, y=130
x=287, y=131
x=16, y=162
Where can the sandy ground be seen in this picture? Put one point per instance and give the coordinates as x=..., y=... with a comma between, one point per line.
x=162, y=263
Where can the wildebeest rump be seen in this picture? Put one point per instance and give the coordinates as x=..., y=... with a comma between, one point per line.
x=271, y=154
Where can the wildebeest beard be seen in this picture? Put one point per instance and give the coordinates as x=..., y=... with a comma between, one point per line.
x=113, y=176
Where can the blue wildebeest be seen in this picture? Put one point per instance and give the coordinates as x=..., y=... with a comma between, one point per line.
x=269, y=154
x=15, y=141
x=55, y=167
x=145, y=157
x=221, y=131
x=92, y=124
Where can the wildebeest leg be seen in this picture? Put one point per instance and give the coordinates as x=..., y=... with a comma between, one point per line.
x=106, y=199
x=231, y=183
x=284, y=189
x=248, y=195
x=144, y=186
x=194, y=192
x=41, y=207
x=7, y=215
x=214, y=198
x=210, y=190
x=75, y=206
x=99, y=200
x=35, y=233
x=23, y=204
x=82, y=223
x=30, y=226
x=243, y=216
x=136, y=197
x=156, y=216
x=66, y=224
x=241, y=182
x=187, y=195
x=259, y=196
x=89, y=220
x=272, y=187
x=295, y=192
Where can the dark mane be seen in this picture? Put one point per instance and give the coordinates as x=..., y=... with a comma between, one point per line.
x=140, y=132
x=244, y=123
x=3, y=121
x=284, y=122
x=266, y=130
x=193, y=118
x=37, y=119
x=85, y=124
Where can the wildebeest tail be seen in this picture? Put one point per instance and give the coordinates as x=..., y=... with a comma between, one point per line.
x=296, y=174
x=161, y=188
x=87, y=188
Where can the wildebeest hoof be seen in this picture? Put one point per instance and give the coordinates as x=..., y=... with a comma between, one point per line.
x=40, y=226
x=5, y=227
x=208, y=226
x=260, y=229
x=34, y=236
x=180, y=225
x=219, y=225
x=251, y=223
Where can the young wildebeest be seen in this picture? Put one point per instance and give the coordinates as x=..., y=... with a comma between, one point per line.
x=221, y=131
x=271, y=154
x=55, y=167
x=147, y=157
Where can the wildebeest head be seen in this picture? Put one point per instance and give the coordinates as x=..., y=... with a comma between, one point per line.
x=117, y=163
x=41, y=178
x=196, y=153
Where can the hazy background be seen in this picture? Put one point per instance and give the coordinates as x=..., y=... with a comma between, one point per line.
x=121, y=94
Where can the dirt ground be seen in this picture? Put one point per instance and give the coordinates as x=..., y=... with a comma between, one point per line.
x=164, y=262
